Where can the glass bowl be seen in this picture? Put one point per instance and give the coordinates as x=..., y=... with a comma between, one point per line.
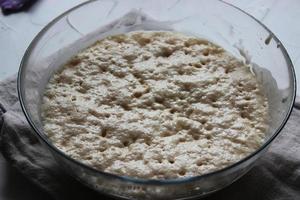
x=224, y=24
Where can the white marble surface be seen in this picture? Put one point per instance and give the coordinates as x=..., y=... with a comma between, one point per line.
x=17, y=31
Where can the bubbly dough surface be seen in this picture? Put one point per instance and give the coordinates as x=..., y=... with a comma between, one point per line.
x=155, y=105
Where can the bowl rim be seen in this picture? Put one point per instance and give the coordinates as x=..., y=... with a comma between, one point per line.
x=44, y=138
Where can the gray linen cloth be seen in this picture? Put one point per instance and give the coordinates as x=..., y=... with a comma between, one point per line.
x=276, y=176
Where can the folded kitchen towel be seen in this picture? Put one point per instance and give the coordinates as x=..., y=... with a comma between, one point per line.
x=276, y=176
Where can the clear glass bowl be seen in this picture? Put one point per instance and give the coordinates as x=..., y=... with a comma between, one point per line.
x=236, y=31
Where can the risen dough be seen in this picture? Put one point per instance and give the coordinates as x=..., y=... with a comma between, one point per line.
x=155, y=105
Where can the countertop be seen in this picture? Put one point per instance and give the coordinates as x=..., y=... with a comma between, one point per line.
x=17, y=31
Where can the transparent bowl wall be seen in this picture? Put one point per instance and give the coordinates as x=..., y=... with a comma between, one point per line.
x=219, y=22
